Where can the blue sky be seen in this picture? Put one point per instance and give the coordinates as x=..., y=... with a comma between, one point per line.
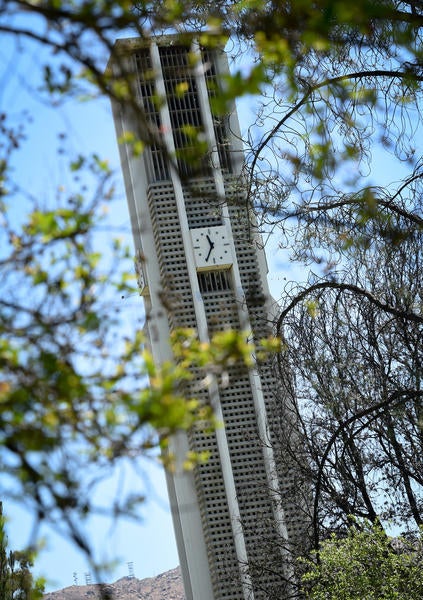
x=148, y=543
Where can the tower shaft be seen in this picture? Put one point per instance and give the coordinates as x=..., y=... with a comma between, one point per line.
x=201, y=266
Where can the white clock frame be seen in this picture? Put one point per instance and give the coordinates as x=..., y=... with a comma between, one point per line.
x=212, y=248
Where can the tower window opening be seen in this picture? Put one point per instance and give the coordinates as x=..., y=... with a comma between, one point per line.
x=184, y=108
x=158, y=169
x=220, y=123
x=214, y=281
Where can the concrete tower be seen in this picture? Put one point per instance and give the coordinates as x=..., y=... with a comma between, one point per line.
x=200, y=266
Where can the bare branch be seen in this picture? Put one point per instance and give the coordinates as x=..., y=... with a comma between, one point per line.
x=403, y=314
x=395, y=398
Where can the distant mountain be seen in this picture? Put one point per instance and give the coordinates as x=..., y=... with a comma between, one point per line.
x=166, y=586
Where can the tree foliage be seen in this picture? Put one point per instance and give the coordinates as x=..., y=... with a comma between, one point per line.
x=16, y=581
x=365, y=564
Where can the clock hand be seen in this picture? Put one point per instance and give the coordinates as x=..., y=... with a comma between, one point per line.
x=211, y=244
x=208, y=255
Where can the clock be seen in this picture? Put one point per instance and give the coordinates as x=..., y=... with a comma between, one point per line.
x=212, y=248
x=139, y=270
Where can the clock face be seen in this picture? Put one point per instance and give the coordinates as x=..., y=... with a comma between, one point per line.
x=212, y=248
x=139, y=269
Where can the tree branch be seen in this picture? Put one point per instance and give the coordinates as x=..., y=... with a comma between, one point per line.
x=395, y=397
x=403, y=314
x=355, y=199
x=327, y=82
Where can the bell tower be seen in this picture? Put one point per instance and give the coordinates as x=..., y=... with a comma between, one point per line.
x=200, y=266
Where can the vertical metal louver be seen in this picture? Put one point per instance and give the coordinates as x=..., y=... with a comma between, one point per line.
x=220, y=123
x=157, y=165
x=184, y=108
x=214, y=281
